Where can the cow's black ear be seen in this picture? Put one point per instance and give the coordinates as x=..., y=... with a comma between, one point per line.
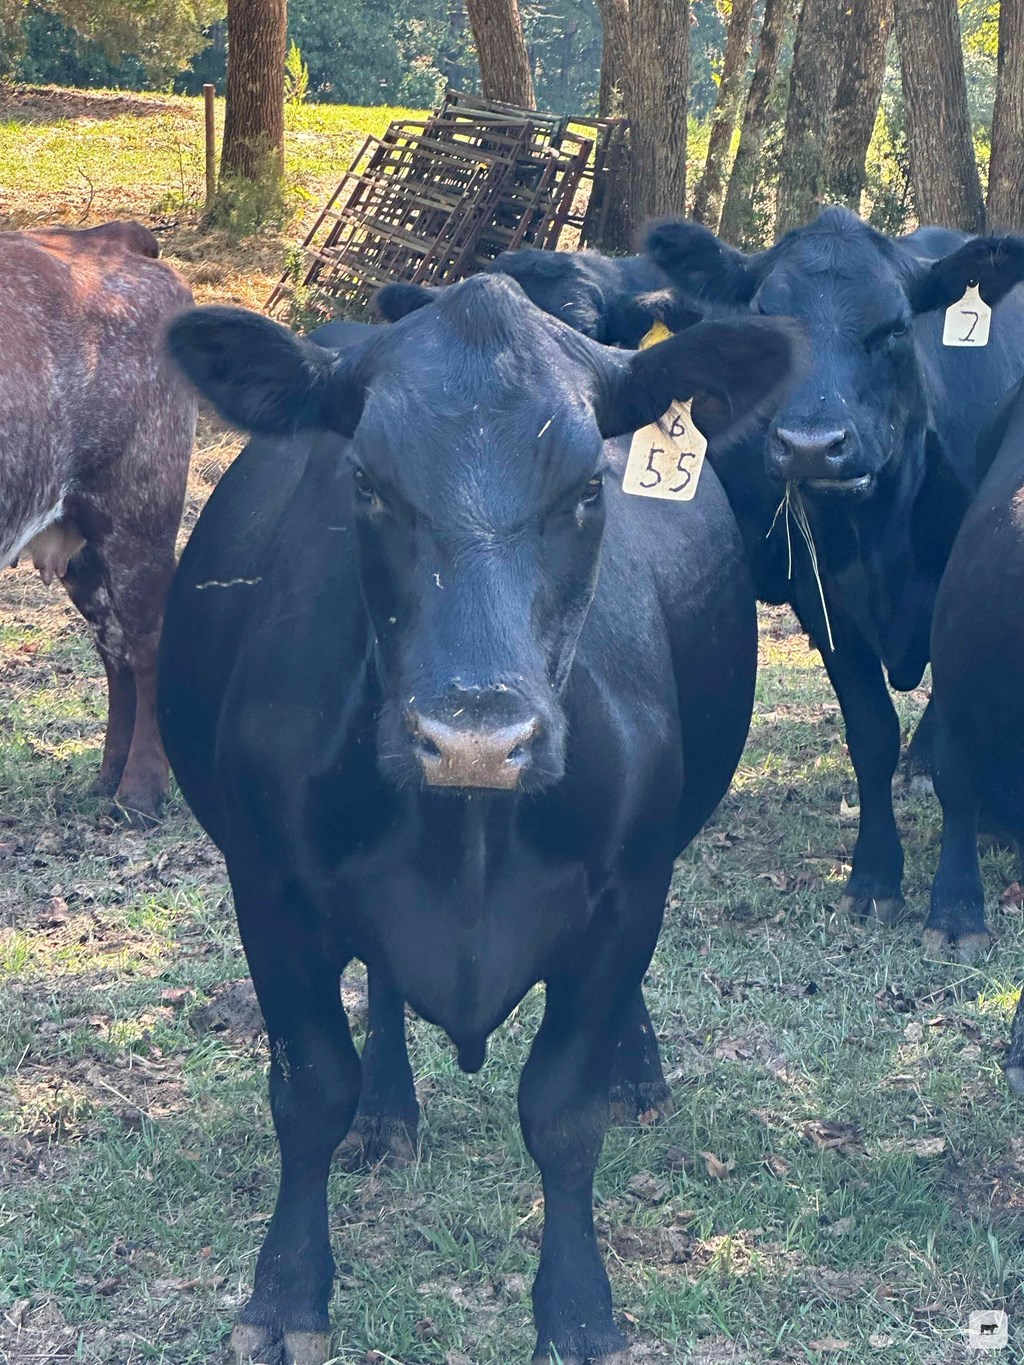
x=995, y=264
x=262, y=377
x=733, y=370
x=701, y=265
x=394, y=301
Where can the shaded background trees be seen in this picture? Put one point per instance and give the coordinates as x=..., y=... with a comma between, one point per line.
x=761, y=110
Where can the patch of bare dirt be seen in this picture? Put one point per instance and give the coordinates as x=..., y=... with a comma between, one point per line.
x=52, y=103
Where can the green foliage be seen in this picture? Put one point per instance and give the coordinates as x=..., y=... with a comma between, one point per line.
x=296, y=75
x=161, y=36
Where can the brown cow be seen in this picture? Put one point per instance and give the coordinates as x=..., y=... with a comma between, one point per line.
x=96, y=429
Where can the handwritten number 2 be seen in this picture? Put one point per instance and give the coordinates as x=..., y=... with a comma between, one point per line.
x=968, y=313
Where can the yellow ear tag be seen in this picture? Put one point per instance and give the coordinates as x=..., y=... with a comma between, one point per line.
x=667, y=456
x=658, y=332
x=968, y=320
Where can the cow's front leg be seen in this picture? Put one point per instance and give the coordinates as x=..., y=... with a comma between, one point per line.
x=385, y=1126
x=563, y=1108
x=873, y=738
x=314, y=1090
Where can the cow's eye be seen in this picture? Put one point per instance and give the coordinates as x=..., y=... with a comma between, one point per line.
x=593, y=489
x=364, y=485
x=882, y=337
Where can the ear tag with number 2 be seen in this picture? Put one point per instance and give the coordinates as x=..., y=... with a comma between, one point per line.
x=968, y=320
x=667, y=456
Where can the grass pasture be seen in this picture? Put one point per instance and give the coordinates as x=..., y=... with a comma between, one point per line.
x=842, y=1179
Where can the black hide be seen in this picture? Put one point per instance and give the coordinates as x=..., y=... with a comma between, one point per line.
x=465, y=565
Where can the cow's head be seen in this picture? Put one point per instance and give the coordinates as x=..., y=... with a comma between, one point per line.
x=475, y=432
x=861, y=403
x=614, y=300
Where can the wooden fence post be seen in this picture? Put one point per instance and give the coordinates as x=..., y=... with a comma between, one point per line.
x=211, y=146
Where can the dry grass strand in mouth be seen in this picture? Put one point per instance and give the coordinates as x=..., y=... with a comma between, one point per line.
x=794, y=506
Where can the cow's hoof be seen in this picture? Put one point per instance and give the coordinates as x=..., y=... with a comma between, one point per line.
x=307, y=1348
x=935, y=943
x=376, y=1139
x=644, y=1102
x=939, y=943
x=616, y=1358
x=885, y=909
x=140, y=808
x=970, y=947
x=1015, y=1079
x=253, y=1345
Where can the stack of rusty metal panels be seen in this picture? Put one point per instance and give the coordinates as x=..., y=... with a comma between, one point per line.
x=436, y=199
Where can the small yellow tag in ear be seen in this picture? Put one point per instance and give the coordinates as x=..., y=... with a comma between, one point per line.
x=666, y=457
x=659, y=332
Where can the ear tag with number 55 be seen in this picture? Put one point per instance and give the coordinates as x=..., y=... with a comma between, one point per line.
x=666, y=457
x=967, y=320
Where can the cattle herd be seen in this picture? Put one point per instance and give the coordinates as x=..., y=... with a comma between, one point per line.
x=451, y=701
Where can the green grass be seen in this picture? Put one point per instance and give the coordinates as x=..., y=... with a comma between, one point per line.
x=873, y=1191
x=101, y=153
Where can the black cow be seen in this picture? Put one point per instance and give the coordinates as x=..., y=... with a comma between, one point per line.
x=878, y=443
x=451, y=705
x=613, y=299
x=978, y=683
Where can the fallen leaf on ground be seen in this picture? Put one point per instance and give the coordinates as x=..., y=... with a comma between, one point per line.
x=834, y=1137
x=54, y=914
x=732, y=1050
x=717, y=1168
x=648, y=1187
x=1013, y=896
x=922, y=1147
x=16, y=1313
x=823, y=1344
x=175, y=995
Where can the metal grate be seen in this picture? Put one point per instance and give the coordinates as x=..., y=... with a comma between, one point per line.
x=435, y=200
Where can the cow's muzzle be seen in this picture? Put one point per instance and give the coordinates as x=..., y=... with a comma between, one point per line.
x=471, y=754
x=826, y=462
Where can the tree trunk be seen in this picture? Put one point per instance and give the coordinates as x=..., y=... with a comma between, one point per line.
x=739, y=223
x=943, y=169
x=812, y=88
x=253, y=147
x=614, y=55
x=707, y=201
x=1006, y=168
x=866, y=29
x=656, y=96
x=501, y=51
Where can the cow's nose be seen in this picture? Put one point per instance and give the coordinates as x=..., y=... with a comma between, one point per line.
x=811, y=454
x=462, y=756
